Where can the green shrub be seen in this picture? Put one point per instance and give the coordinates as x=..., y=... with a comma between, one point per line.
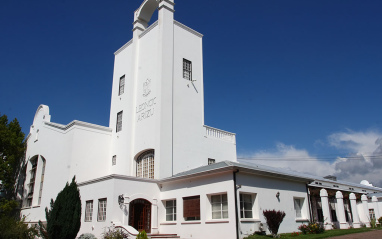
x=64, y=217
x=373, y=223
x=11, y=228
x=113, y=233
x=274, y=219
x=380, y=220
x=142, y=235
x=312, y=228
x=87, y=236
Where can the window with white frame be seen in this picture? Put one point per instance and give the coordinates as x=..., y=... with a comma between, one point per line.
x=145, y=164
x=170, y=210
x=211, y=161
x=298, y=204
x=119, y=121
x=89, y=211
x=102, y=203
x=121, y=85
x=187, y=69
x=219, y=206
x=246, y=205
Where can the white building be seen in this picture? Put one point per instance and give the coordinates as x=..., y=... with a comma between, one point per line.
x=157, y=167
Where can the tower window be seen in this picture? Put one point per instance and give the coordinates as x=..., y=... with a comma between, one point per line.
x=121, y=85
x=114, y=160
x=119, y=121
x=187, y=69
x=211, y=161
x=145, y=165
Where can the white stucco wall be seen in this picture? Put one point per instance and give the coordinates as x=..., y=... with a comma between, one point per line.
x=205, y=186
x=265, y=188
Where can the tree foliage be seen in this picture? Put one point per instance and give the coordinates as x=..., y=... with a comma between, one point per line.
x=12, y=150
x=64, y=216
x=274, y=219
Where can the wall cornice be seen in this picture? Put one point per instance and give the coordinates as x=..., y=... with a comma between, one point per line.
x=117, y=176
x=176, y=23
x=78, y=123
x=149, y=29
x=123, y=47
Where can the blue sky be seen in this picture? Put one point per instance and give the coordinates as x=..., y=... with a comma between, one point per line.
x=293, y=79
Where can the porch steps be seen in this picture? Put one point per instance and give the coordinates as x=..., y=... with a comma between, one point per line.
x=162, y=236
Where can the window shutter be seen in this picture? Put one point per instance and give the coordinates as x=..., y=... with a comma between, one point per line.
x=191, y=206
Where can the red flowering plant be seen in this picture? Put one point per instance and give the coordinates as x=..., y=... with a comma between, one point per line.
x=312, y=228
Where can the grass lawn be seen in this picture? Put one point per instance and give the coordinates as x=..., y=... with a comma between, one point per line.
x=326, y=234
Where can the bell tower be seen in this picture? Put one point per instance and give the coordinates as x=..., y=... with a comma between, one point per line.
x=157, y=109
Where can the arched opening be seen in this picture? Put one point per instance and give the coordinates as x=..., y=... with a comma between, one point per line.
x=32, y=178
x=145, y=164
x=140, y=215
x=146, y=10
x=42, y=179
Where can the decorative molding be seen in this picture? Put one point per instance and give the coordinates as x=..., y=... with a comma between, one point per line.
x=168, y=223
x=149, y=29
x=191, y=222
x=216, y=221
x=165, y=7
x=123, y=47
x=117, y=176
x=176, y=23
x=249, y=220
x=167, y=1
x=78, y=123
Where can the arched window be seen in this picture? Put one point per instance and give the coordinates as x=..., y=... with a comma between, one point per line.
x=32, y=179
x=42, y=180
x=145, y=164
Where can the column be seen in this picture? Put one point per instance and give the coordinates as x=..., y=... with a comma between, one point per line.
x=374, y=199
x=325, y=209
x=365, y=210
x=354, y=210
x=126, y=204
x=340, y=211
x=154, y=217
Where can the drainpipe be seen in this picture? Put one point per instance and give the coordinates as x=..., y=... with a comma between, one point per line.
x=236, y=210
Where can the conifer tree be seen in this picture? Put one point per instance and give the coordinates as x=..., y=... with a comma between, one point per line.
x=64, y=217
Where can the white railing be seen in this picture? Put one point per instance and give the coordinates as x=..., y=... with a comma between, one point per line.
x=220, y=134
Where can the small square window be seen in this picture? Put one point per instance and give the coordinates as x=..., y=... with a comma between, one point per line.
x=211, y=161
x=187, y=69
x=102, y=203
x=170, y=210
x=89, y=211
x=114, y=160
x=119, y=121
x=121, y=85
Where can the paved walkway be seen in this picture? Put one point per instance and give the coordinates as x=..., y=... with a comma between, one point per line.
x=372, y=235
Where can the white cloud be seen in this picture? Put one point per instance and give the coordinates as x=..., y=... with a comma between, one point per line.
x=364, y=159
x=288, y=157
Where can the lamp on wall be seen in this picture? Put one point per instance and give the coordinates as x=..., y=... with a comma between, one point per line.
x=278, y=194
x=121, y=199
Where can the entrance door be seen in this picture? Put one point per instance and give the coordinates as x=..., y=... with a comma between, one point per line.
x=140, y=215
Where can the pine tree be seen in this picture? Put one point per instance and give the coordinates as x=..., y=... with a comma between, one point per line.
x=64, y=217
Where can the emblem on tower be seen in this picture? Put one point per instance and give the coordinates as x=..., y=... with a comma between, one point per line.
x=146, y=87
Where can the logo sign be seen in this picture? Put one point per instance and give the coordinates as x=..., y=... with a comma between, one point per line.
x=146, y=87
